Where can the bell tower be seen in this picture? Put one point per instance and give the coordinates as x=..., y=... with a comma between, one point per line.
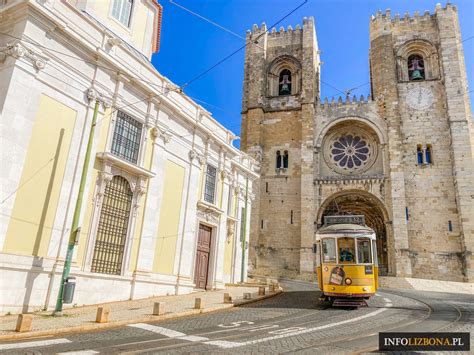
x=419, y=82
x=280, y=91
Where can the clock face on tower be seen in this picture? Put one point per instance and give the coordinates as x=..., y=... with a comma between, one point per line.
x=420, y=98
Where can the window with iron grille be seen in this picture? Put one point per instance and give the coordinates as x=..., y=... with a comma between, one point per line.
x=210, y=187
x=113, y=225
x=127, y=135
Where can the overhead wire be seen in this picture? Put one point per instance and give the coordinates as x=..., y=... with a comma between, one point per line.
x=207, y=20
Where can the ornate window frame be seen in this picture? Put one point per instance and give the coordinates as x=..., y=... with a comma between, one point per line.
x=273, y=75
x=137, y=178
x=333, y=136
x=424, y=49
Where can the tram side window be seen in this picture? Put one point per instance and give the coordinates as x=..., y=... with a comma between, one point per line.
x=329, y=250
x=363, y=251
x=346, y=247
x=374, y=249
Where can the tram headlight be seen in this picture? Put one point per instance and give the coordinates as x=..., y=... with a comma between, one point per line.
x=348, y=281
x=326, y=268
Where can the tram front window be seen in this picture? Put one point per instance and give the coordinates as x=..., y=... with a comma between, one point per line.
x=346, y=247
x=363, y=251
x=329, y=250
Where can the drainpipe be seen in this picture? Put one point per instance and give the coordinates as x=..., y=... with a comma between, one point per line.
x=244, y=241
x=75, y=229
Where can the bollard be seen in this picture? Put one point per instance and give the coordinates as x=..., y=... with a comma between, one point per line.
x=227, y=298
x=198, y=303
x=23, y=324
x=102, y=314
x=247, y=295
x=261, y=291
x=158, y=308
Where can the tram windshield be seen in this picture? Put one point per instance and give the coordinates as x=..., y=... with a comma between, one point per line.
x=346, y=247
x=364, y=255
x=329, y=250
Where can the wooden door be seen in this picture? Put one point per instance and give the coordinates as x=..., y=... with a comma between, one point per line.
x=202, y=256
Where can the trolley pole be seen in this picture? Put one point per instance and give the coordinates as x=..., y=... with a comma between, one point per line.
x=244, y=229
x=77, y=213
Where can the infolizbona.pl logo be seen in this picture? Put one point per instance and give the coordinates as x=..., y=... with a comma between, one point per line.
x=424, y=341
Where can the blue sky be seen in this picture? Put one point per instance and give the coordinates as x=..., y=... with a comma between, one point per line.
x=190, y=45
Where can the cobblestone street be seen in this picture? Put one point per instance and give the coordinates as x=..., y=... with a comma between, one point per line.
x=293, y=322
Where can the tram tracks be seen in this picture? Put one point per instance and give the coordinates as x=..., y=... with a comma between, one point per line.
x=295, y=321
x=432, y=311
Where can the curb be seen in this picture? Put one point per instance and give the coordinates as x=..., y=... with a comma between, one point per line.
x=151, y=318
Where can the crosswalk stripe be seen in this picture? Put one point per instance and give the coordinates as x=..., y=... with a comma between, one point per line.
x=80, y=352
x=33, y=344
x=170, y=333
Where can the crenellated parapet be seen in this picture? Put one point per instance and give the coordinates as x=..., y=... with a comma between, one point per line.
x=278, y=36
x=256, y=31
x=340, y=102
x=382, y=18
x=383, y=23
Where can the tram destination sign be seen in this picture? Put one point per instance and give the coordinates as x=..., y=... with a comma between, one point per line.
x=348, y=219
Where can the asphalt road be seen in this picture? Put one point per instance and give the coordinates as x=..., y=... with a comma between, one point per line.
x=293, y=322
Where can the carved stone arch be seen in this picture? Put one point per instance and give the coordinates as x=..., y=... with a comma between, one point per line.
x=379, y=127
x=351, y=146
x=274, y=69
x=360, y=202
x=369, y=197
x=423, y=48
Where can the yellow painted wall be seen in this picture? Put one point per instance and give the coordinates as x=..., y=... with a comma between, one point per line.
x=36, y=201
x=170, y=211
x=101, y=131
x=140, y=14
x=141, y=212
x=229, y=247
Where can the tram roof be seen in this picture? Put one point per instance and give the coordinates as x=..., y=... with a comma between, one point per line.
x=345, y=228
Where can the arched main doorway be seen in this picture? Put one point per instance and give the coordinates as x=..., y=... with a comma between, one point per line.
x=361, y=203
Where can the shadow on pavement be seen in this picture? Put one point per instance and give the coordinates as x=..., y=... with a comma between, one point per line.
x=291, y=299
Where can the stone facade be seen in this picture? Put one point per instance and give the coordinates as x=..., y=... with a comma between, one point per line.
x=403, y=157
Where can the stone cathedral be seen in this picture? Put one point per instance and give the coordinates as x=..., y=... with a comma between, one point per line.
x=402, y=157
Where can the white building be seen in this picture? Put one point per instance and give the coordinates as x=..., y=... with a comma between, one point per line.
x=166, y=192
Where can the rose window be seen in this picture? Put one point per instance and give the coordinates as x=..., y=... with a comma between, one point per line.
x=349, y=151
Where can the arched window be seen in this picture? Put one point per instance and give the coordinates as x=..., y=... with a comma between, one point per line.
x=279, y=162
x=419, y=154
x=284, y=86
x=428, y=155
x=113, y=225
x=285, y=159
x=416, y=67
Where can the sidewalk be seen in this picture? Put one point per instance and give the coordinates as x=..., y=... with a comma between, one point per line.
x=127, y=312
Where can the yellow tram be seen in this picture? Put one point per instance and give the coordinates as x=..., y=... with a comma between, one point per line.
x=346, y=255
